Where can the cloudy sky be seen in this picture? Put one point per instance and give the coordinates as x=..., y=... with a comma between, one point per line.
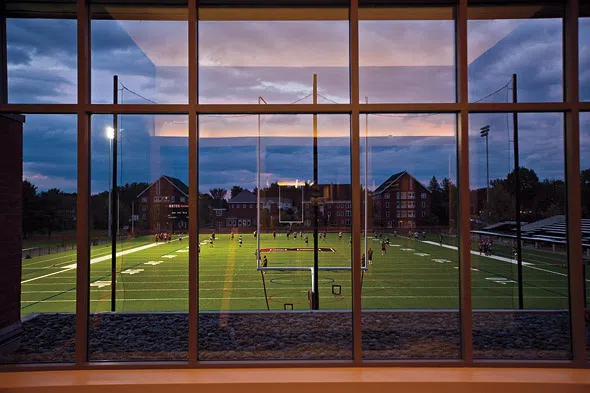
x=401, y=61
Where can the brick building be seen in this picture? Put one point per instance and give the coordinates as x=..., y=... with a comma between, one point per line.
x=401, y=202
x=163, y=206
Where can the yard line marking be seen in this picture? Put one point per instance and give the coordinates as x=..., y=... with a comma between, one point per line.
x=132, y=271
x=94, y=260
x=101, y=284
x=421, y=254
x=503, y=259
x=407, y=249
x=223, y=311
x=500, y=280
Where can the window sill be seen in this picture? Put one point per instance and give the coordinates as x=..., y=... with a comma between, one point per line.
x=286, y=380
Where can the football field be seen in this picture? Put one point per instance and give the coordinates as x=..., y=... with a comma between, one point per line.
x=413, y=274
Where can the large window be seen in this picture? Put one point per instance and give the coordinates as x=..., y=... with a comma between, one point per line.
x=213, y=183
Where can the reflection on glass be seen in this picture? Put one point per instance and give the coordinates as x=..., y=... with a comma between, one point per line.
x=585, y=186
x=584, y=53
x=38, y=280
x=523, y=40
x=41, y=52
x=140, y=312
x=274, y=237
x=147, y=47
x=407, y=55
x=247, y=53
x=518, y=237
x=410, y=288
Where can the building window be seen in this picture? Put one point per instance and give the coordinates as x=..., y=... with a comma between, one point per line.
x=144, y=199
x=387, y=214
x=404, y=195
x=423, y=214
x=411, y=195
x=386, y=195
x=387, y=205
x=172, y=199
x=182, y=199
x=423, y=195
x=411, y=204
x=218, y=213
x=243, y=206
x=423, y=205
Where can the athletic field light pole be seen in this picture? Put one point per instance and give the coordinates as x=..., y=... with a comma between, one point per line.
x=114, y=199
x=314, y=191
x=483, y=132
x=517, y=196
x=110, y=134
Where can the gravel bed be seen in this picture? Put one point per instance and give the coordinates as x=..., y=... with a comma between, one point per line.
x=297, y=336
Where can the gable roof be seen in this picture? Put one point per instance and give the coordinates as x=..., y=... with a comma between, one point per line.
x=387, y=183
x=177, y=183
x=244, y=196
x=394, y=179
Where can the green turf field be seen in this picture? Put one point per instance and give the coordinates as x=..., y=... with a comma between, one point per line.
x=413, y=274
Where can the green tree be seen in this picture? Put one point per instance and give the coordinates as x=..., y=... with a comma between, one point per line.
x=235, y=190
x=30, y=216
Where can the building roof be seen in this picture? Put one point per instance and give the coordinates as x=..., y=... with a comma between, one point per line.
x=177, y=183
x=394, y=179
x=244, y=196
x=387, y=183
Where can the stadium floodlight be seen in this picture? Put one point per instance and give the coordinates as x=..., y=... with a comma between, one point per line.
x=484, y=132
x=110, y=132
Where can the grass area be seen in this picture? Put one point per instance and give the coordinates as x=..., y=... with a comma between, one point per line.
x=413, y=274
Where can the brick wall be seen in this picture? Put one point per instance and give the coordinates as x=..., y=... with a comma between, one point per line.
x=11, y=173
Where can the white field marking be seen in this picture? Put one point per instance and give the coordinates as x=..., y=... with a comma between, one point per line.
x=394, y=245
x=280, y=297
x=183, y=250
x=500, y=280
x=421, y=254
x=407, y=249
x=132, y=271
x=203, y=242
x=106, y=283
x=66, y=256
x=258, y=282
x=525, y=264
x=98, y=284
x=92, y=261
x=441, y=260
x=474, y=269
x=153, y=263
x=169, y=256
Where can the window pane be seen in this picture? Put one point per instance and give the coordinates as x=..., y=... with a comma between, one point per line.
x=507, y=325
x=147, y=47
x=149, y=320
x=247, y=53
x=410, y=292
x=585, y=185
x=38, y=237
x=407, y=54
x=584, y=54
x=261, y=310
x=523, y=40
x=41, y=52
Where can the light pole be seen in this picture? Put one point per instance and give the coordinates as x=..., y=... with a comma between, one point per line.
x=483, y=132
x=110, y=134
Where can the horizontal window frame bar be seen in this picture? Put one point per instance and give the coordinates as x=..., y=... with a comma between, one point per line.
x=228, y=364
x=254, y=109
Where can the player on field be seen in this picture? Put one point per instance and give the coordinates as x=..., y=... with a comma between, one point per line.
x=440, y=239
x=370, y=255
x=213, y=235
x=363, y=261
x=340, y=235
x=232, y=236
x=294, y=235
x=240, y=240
x=383, y=249
x=254, y=234
x=210, y=241
x=306, y=240
x=264, y=262
x=274, y=235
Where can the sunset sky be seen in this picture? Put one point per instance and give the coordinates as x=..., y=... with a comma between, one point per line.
x=401, y=61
